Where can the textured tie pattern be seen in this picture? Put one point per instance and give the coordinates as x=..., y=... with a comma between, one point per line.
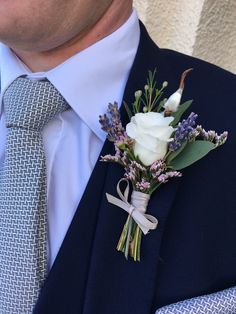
x=29, y=106
x=222, y=302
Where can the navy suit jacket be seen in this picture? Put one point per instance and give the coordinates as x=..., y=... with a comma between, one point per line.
x=193, y=251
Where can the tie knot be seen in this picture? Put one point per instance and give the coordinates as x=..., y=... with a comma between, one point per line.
x=31, y=104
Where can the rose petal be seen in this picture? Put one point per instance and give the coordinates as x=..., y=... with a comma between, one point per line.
x=131, y=130
x=148, y=157
x=147, y=141
x=160, y=132
x=150, y=119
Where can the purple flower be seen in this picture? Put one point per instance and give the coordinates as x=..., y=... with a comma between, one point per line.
x=184, y=130
x=111, y=123
x=163, y=178
x=110, y=158
x=125, y=159
x=212, y=136
x=157, y=168
x=221, y=139
x=131, y=173
x=105, y=123
x=136, y=165
x=123, y=141
x=143, y=185
x=133, y=170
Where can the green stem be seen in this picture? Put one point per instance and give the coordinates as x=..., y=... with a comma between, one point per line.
x=121, y=243
x=127, y=244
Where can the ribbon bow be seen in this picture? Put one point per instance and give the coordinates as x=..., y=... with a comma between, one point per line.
x=136, y=209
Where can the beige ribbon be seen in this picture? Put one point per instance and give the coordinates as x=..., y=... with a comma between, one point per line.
x=137, y=208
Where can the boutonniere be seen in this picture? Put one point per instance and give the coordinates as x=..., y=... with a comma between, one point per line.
x=153, y=147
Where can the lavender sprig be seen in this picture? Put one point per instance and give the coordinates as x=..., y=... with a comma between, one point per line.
x=111, y=123
x=184, y=130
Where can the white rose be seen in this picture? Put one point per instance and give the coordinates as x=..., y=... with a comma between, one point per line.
x=151, y=133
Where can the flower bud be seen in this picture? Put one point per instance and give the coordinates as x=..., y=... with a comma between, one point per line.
x=138, y=94
x=165, y=84
x=145, y=109
x=173, y=102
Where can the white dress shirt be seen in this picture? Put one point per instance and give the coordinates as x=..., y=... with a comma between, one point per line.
x=88, y=81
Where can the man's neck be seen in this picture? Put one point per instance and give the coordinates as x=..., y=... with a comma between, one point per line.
x=114, y=17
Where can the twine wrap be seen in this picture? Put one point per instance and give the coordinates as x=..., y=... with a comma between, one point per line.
x=136, y=209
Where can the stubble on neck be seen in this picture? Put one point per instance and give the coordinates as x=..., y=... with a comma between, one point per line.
x=39, y=61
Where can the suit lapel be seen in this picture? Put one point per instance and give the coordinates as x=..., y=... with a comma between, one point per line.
x=89, y=276
x=114, y=284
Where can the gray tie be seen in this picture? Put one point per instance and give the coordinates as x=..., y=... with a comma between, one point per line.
x=29, y=106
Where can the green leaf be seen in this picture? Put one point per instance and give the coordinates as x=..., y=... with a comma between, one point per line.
x=122, y=146
x=127, y=110
x=160, y=106
x=178, y=114
x=173, y=155
x=192, y=153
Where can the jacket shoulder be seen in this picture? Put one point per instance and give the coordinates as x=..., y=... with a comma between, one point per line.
x=207, y=71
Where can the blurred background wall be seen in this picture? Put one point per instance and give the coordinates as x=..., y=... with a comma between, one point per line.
x=203, y=28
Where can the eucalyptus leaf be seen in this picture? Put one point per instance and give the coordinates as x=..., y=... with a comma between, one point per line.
x=174, y=154
x=178, y=114
x=193, y=152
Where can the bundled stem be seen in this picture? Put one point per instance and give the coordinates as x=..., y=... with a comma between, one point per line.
x=130, y=240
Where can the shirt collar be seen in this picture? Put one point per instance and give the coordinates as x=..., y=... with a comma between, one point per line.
x=90, y=79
